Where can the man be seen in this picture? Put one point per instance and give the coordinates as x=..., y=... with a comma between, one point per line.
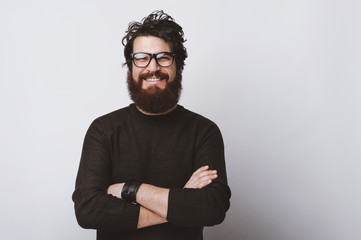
x=152, y=170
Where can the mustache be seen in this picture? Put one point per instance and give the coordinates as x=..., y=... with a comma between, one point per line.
x=156, y=74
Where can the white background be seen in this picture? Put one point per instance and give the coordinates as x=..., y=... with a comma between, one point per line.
x=281, y=79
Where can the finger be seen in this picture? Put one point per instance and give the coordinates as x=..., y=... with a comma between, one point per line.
x=193, y=182
x=195, y=175
x=201, y=169
x=204, y=184
x=206, y=178
x=191, y=185
x=200, y=184
x=197, y=179
x=205, y=173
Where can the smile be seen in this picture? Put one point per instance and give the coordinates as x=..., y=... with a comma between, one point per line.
x=153, y=79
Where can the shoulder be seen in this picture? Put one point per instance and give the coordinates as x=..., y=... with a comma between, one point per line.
x=110, y=121
x=207, y=134
x=197, y=118
x=199, y=122
x=115, y=116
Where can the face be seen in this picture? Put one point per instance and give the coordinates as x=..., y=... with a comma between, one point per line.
x=152, y=76
x=154, y=89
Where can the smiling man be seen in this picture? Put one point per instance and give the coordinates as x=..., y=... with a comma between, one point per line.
x=154, y=86
x=152, y=170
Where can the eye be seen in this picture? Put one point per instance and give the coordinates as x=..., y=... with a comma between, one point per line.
x=164, y=57
x=141, y=57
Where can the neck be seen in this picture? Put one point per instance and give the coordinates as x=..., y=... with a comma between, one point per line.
x=156, y=114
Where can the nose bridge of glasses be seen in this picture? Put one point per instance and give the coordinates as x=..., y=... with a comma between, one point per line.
x=153, y=58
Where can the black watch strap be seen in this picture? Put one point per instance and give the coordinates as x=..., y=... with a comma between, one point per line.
x=130, y=189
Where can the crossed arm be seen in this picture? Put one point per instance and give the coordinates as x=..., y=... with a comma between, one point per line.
x=97, y=208
x=154, y=200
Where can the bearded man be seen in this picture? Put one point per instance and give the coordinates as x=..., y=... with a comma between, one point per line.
x=152, y=170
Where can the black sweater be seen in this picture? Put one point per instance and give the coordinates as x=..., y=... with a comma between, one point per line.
x=160, y=150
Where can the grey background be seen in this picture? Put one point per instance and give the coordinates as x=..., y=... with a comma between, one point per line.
x=280, y=78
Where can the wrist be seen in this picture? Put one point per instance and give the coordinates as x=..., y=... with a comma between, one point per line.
x=129, y=190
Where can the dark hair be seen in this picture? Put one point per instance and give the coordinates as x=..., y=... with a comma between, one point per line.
x=157, y=24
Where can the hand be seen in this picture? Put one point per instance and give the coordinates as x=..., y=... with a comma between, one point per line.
x=201, y=178
x=116, y=190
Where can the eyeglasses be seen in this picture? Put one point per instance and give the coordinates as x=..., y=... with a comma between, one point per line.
x=163, y=59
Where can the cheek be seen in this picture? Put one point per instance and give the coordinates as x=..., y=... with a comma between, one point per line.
x=172, y=74
x=135, y=74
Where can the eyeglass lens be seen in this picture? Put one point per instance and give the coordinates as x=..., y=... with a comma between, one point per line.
x=163, y=59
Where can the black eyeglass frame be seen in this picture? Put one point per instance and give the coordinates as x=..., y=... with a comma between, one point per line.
x=151, y=56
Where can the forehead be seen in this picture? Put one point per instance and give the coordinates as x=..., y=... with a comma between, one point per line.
x=150, y=44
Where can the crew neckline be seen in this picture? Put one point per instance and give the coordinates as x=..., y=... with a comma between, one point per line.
x=136, y=111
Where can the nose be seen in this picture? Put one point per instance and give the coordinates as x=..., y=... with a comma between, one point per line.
x=153, y=66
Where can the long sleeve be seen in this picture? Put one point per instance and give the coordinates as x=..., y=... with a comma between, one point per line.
x=162, y=151
x=93, y=207
x=206, y=206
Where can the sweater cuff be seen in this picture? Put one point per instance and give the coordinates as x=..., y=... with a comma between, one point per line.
x=175, y=203
x=125, y=216
x=133, y=217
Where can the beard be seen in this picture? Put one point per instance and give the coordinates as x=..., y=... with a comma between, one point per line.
x=153, y=99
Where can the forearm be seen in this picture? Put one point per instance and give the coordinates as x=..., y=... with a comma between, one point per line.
x=153, y=198
x=153, y=203
x=96, y=210
x=148, y=218
x=198, y=207
x=186, y=207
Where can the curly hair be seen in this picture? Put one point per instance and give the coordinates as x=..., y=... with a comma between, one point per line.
x=157, y=24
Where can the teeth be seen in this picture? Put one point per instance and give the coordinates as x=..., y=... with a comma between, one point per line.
x=153, y=79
